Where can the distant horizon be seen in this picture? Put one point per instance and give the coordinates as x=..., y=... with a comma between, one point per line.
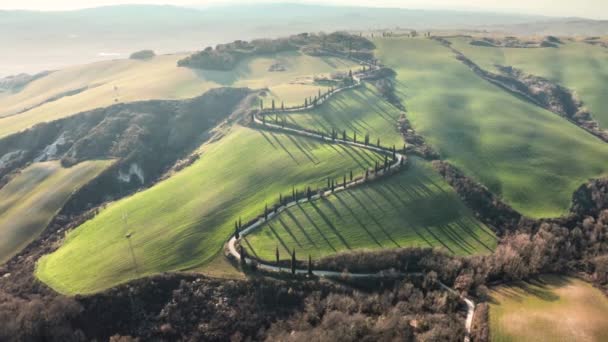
x=584, y=9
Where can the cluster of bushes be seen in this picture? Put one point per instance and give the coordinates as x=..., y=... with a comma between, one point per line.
x=227, y=56
x=143, y=55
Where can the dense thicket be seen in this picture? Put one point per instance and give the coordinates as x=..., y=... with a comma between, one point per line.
x=227, y=56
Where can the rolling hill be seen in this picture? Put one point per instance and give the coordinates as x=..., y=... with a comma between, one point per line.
x=80, y=88
x=184, y=221
x=414, y=208
x=530, y=157
x=30, y=200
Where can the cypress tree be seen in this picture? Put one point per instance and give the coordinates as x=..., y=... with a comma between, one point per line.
x=240, y=225
x=266, y=211
x=403, y=148
x=276, y=118
x=280, y=199
x=328, y=185
x=263, y=119
x=308, y=193
x=242, y=256
x=344, y=135
x=366, y=173
x=376, y=167
x=344, y=182
x=293, y=193
x=378, y=143
x=319, y=92
x=273, y=105
x=309, y=265
x=332, y=185
x=394, y=153
x=293, y=261
x=385, y=160
x=277, y=254
x=306, y=102
x=236, y=231
x=351, y=175
x=261, y=104
x=282, y=105
x=355, y=137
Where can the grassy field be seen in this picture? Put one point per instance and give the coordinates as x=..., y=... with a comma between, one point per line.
x=159, y=78
x=413, y=208
x=550, y=309
x=360, y=110
x=33, y=198
x=183, y=222
x=579, y=66
x=530, y=157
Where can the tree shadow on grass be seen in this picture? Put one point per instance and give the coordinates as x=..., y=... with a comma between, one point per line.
x=361, y=224
x=373, y=218
x=329, y=224
x=278, y=141
x=305, y=151
x=310, y=220
x=286, y=228
x=278, y=237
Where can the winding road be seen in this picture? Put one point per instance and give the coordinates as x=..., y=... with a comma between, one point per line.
x=398, y=161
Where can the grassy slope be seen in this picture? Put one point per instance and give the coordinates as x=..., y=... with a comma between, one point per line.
x=159, y=78
x=531, y=157
x=184, y=221
x=361, y=110
x=413, y=208
x=576, y=65
x=558, y=309
x=31, y=199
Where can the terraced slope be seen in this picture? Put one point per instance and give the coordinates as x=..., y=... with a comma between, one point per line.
x=30, y=201
x=576, y=65
x=532, y=158
x=85, y=87
x=412, y=208
x=550, y=309
x=361, y=110
x=184, y=221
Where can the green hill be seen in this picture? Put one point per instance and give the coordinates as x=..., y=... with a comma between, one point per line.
x=184, y=221
x=361, y=110
x=576, y=65
x=532, y=158
x=413, y=208
x=84, y=87
x=30, y=201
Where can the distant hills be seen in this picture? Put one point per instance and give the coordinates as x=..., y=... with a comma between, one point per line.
x=32, y=41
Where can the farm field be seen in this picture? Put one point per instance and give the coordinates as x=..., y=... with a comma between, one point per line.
x=105, y=83
x=30, y=201
x=576, y=65
x=414, y=208
x=530, y=157
x=361, y=110
x=183, y=222
x=554, y=308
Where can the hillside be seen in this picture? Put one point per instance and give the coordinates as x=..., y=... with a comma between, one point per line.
x=30, y=201
x=522, y=153
x=415, y=208
x=577, y=65
x=185, y=220
x=81, y=88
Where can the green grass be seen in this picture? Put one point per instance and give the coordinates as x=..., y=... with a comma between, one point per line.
x=30, y=201
x=361, y=110
x=412, y=208
x=530, y=157
x=158, y=78
x=579, y=66
x=550, y=309
x=183, y=222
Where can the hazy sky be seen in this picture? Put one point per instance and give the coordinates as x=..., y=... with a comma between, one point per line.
x=597, y=9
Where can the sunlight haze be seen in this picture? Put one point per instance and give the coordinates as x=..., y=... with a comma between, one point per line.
x=596, y=9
